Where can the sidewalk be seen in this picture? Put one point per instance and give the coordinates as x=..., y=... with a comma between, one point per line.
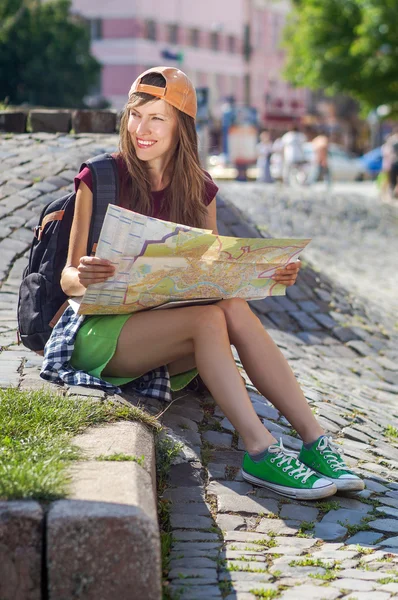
x=231, y=540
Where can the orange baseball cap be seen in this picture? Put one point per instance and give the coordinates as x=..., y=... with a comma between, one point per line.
x=179, y=91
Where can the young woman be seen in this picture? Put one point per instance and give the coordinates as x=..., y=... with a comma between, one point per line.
x=160, y=176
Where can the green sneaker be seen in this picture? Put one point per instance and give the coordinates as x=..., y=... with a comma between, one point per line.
x=281, y=471
x=324, y=458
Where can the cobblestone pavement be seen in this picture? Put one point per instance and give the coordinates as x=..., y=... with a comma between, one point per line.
x=355, y=236
x=231, y=540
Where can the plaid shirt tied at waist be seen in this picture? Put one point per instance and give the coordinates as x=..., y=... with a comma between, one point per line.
x=58, y=352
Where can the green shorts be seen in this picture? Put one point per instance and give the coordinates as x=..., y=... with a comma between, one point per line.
x=95, y=345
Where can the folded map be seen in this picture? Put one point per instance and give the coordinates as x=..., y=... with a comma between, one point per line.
x=159, y=263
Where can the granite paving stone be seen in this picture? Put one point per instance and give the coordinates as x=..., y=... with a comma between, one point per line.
x=244, y=576
x=310, y=592
x=364, y=575
x=201, y=562
x=388, y=510
x=185, y=521
x=279, y=527
x=190, y=536
x=368, y=596
x=356, y=585
x=364, y=538
x=245, y=504
x=229, y=487
x=304, y=320
x=391, y=542
x=195, y=592
x=298, y=512
x=217, y=438
x=351, y=517
x=192, y=548
x=230, y=522
x=242, y=555
x=330, y=531
x=385, y=525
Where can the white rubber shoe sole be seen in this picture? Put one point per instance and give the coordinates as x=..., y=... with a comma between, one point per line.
x=328, y=488
x=345, y=484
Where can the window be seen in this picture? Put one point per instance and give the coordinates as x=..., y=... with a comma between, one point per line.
x=150, y=30
x=214, y=40
x=173, y=33
x=231, y=44
x=194, y=37
x=95, y=26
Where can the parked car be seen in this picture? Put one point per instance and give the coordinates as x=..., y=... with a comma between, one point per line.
x=343, y=165
x=372, y=161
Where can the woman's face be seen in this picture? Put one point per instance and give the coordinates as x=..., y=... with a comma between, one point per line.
x=153, y=130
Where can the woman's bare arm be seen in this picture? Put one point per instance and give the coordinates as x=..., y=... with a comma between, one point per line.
x=211, y=220
x=81, y=270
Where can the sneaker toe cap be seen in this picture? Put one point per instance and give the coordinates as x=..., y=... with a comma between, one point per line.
x=322, y=482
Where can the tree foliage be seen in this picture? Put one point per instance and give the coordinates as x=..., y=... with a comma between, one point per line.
x=44, y=54
x=345, y=46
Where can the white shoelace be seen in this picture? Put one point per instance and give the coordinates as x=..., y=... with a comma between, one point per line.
x=329, y=449
x=285, y=457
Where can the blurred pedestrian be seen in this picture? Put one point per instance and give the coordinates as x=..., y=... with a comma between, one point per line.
x=384, y=175
x=321, y=171
x=293, y=152
x=392, y=143
x=264, y=151
x=277, y=159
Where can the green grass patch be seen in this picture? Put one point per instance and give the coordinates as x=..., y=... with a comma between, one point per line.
x=309, y=561
x=225, y=587
x=268, y=594
x=391, y=432
x=246, y=569
x=265, y=543
x=386, y=580
x=206, y=453
x=326, y=506
x=362, y=526
x=120, y=457
x=36, y=431
x=166, y=451
x=363, y=550
x=306, y=529
x=330, y=574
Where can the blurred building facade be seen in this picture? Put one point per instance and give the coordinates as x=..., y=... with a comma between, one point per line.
x=230, y=46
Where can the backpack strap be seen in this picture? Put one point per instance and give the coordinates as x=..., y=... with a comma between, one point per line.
x=105, y=191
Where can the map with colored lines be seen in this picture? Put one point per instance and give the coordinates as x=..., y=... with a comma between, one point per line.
x=163, y=264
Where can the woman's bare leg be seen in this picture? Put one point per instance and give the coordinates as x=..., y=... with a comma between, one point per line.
x=182, y=365
x=267, y=367
x=151, y=339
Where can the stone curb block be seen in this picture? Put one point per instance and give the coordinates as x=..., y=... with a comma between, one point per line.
x=21, y=549
x=51, y=121
x=94, y=121
x=102, y=550
x=103, y=542
x=124, y=437
x=12, y=121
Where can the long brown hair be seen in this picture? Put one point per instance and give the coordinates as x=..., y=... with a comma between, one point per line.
x=184, y=197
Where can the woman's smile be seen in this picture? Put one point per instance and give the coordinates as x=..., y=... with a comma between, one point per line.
x=145, y=143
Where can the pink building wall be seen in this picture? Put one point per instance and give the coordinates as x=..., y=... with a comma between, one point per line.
x=125, y=51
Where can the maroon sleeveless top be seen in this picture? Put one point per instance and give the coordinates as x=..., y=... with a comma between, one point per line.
x=85, y=175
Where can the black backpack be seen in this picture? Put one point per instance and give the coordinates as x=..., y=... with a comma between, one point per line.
x=41, y=299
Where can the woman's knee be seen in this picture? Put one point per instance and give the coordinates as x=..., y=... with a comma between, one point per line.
x=211, y=317
x=235, y=309
x=238, y=315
